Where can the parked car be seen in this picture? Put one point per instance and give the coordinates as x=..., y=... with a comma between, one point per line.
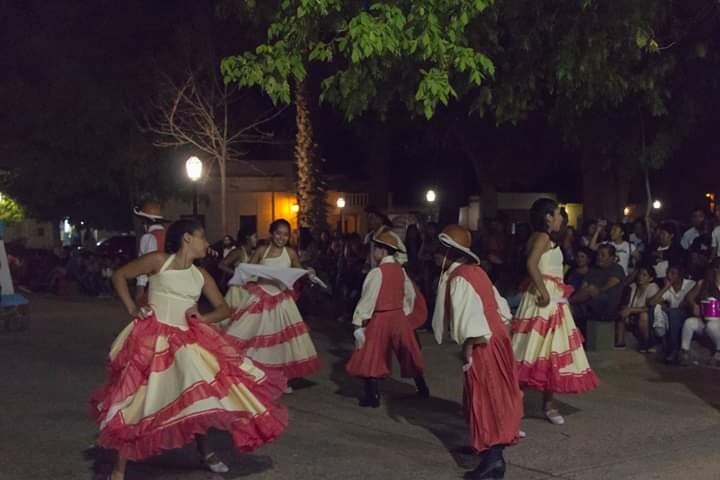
x=123, y=247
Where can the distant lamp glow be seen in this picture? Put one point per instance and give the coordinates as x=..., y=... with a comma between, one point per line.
x=626, y=211
x=431, y=196
x=657, y=205
x=294, y=208
x=707, y=195
x=194, y=168
x=340, y=203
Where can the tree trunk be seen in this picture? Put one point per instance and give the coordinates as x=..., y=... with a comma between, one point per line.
x=222, y=165
x=311, y=198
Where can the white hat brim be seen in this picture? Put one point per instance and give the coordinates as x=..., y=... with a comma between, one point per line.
x=149, y=216
x=449, y=242
x=393, y=247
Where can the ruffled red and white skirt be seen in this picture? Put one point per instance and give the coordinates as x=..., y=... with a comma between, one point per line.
x=268, y=327
x=165, y=384
x=548, y=345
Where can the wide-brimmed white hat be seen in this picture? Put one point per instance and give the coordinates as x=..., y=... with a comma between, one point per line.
x=389, y=240
x=459, y=238
x=151, y=210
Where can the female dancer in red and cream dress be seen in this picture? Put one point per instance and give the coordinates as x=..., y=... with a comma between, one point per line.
x=268, y=325
x=171, y=376
x=546, y=342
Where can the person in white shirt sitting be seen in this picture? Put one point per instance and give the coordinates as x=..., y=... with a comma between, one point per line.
x=636, y=312
x=623, y=249
x=670, y=309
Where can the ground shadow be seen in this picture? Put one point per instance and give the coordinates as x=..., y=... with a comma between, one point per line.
x=703, y=381
x=184, y=460
x=533, y=406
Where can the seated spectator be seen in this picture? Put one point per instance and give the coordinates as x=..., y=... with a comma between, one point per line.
x=636, y=313
x=671, y=310
x=703, y=321
x=665, y=251
x=568, y=246
x=599, y=295
x=700, y=253
x=697, y=219
x=576, y=276
x=638, y=237
x=590, y=229
x=623, y=248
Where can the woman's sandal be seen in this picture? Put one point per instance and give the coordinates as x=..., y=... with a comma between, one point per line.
x=554, y=417
x=214, y=464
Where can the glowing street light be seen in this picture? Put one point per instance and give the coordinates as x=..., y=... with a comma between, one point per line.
x=657, y=204
x=431, y=196
x=194, y=170
x=626, y=211
x=294, y=208
x=341, y=205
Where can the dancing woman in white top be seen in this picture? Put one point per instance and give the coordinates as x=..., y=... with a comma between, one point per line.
x=268, y=325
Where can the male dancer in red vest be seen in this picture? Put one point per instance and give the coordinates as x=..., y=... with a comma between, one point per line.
x=152, y=241
x=384, y=323
x=469, y=306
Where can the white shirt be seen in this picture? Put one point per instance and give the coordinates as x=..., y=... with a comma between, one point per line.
x=467, y=315
x=689, y=237
x=639, y=300
x=637, y=242
x=716, y=240
x=371, y=289
x=675, y=298
x=661, y=267
x=623, y=251
x=148, y=244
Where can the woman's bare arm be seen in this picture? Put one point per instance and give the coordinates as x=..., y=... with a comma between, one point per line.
x=146, y=265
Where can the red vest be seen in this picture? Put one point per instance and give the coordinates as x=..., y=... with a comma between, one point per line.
x=476, y=276
x=392, y=289
x=159, y=235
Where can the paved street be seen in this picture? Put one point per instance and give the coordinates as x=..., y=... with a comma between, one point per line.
x=646, y=421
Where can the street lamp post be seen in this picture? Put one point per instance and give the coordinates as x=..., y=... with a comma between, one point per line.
x=431, y=198
x=341, y=205
x=194, y=168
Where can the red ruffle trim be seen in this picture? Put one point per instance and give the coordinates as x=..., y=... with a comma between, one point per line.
x=263, y=300
x=137, y=359
x=541, y=325
x=298, y=369
x=542, y=375
x=264, y=341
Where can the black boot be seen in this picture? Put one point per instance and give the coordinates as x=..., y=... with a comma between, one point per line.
x=372, y=394
x=491, y=466
x=422, y=389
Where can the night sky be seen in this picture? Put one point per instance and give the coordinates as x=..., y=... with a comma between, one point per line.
x=70, y=63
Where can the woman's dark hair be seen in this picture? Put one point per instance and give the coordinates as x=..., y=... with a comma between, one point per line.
x=277, y=223
x=243, y=235
x=668, y=227
x=709, y=288
x=649, y=270
x=176, y=231
x=541, y=208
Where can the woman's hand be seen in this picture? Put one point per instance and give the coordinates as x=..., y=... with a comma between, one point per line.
x=193, y=313
x=140, y=313
x=543, y=299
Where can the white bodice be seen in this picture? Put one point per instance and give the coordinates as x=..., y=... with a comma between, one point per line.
x=551, y=263
x=172, y=292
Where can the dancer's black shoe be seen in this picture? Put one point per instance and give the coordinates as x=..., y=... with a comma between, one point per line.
x=372, y=394
x=422, y=389
x=491, y=466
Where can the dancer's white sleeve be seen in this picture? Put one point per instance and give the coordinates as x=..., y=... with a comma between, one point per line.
x=409, y=295
x=368, y=299
x=468, y=312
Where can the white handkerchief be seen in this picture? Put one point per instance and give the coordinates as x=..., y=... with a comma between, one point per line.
x=248, y=272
